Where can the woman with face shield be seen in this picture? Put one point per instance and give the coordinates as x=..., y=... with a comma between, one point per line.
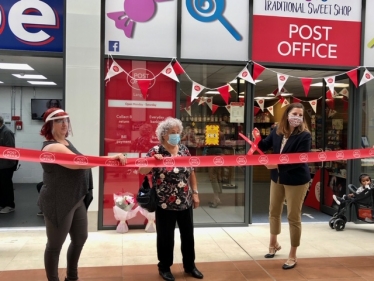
x=64, y=197
x=289, y=182
x=177, y=196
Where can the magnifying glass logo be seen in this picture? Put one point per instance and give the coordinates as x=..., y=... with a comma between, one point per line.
x=211, y=10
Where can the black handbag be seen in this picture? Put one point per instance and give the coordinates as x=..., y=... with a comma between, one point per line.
x=147, y=196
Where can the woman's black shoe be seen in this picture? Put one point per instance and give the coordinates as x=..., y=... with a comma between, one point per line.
x=291, y=263
x=195, y=273
x=166, y=275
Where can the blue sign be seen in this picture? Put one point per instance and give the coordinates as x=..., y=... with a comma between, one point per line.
x=32, y=25
x=113, y=46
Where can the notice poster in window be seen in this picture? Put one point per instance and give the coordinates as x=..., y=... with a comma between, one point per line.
x=237, y=112
x=337, y=124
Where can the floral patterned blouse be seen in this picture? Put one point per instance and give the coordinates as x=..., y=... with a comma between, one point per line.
x=172, y=182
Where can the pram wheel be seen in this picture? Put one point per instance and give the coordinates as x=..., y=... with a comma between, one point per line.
x=331, y=222
x=339, y=224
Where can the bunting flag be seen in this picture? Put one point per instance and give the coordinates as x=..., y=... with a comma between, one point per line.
x=261, y=103
x=196, y=89
x=144, y=86
x=284, y=102
x=209, y=102
x=330, y=103
x=214, y=108
x=366, y=77
x=225, y=94
x=271, y=110
x=228, y=108
x=331, y=96
x=313, y=104
x=345, y=104
x=309, y=111
x=256, y=110
x=296, y=100
x=244, y=74
x=178, y=69
x=353, y=76
x=344, y=92
x=282, y=78
x=331, y=113
x=330, y=82
x=257, y=70
x=306, y=84
x=114, y=70
x=202, y=100
x=169, y=72
x=188, y=110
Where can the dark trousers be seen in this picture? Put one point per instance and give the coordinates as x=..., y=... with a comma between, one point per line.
x=165, y=224
x=75, y=224
x=6, y=188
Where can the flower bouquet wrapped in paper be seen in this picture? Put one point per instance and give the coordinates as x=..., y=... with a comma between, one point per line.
x=150, y=216
x=123, y=210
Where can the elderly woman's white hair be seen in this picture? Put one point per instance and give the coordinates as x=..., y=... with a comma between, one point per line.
x=164, y=126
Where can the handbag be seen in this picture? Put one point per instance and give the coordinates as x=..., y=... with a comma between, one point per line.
x=146, y=196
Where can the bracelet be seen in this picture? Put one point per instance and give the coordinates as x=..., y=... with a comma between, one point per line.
x=125, y=154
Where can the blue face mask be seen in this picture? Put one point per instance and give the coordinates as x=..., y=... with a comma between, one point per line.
x=174, y=139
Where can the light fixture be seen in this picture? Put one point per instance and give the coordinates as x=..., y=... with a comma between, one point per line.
x=15, y=66
x=41, y=82
x=336, y=85
x=242, y=81
x=1, y=82
x=29, y=76
x=212, y=93
x=264, y=98
x=282, y=94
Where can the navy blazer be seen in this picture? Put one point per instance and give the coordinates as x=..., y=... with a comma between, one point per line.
x=289, y=174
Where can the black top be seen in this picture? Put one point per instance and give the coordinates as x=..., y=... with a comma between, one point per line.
x=7, y=139
x=289, y=174
x=63, y=188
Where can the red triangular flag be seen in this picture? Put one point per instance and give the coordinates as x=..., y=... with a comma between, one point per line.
x=345, y=104
x=144, y=86
x=256, y=109
x=214, y=108
x=353, y=76
x=178, y=68
x=257, y=70
x=225, y=94
x=296, y=100
x=330, y=103
x=306, y=84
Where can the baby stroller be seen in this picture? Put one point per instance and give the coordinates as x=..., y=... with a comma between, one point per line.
x=361, y=207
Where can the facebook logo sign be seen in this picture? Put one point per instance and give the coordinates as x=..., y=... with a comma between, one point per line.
x=113, y=46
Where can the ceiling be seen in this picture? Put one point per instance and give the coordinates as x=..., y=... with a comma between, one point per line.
x=52, y=68
x=210, y=76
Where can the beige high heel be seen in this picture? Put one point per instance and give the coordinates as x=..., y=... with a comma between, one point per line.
x=290, y=263
x=272, y=251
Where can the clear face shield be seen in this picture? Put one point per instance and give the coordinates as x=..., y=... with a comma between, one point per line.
x=64, y=120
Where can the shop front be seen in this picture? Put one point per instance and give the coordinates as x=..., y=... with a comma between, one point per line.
x=224, y=71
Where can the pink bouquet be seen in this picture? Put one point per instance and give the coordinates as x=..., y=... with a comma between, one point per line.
x=123, y=210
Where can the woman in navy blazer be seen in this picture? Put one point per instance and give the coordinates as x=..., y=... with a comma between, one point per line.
x=289, y=182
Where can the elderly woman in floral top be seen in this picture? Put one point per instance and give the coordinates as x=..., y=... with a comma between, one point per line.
x=177, y=194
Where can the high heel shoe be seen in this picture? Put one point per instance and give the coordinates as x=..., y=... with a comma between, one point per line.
x=290, y=263
x=272, y=251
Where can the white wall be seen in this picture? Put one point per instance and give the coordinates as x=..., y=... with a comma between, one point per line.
x=28, y=137
x=83, y=78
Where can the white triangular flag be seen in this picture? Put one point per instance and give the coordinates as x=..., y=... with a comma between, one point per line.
x=271, y=110
x=285, y=102
x=196, y=89
x=282, y=78
x=209, y=102
x=114, y=70
x=244, y=74
x=169, y=72
x=188, y=110
x=332, y=112
x=344, y=92
x=366, y=77
x=202, y=100
x=261, y=103
x=313, y=104
x=330, y=82
x=228, y=107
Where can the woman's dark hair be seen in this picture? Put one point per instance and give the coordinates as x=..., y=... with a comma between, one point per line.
x=363, y=176
x=284, y=127
x=46, y=130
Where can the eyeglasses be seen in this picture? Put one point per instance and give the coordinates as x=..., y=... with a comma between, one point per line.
x=62, y=120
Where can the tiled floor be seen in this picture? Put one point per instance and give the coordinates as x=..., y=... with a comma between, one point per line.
x=221, y=254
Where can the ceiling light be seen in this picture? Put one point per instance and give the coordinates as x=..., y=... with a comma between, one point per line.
x=1, y=82
x=242, y=81
x=15, y=66
x=337, y=85
x=264, y=98
x=212, y=92
x=29, y=76
x=282, y=94
x=41, y=83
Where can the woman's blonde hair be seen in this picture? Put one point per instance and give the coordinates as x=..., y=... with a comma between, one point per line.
x=284, y=127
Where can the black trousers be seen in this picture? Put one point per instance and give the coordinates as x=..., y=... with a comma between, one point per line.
x=6, y=188
x=165, y=224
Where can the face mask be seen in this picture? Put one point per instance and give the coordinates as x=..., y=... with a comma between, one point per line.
x=295, y=121
x=174, y=139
